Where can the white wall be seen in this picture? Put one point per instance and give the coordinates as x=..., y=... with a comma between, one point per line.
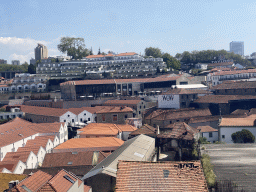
x=227, y=131
x=84, y=116
x=31, y=161
x=169, y=101
x=212, y=139
x=68, y=117
x=20, y=167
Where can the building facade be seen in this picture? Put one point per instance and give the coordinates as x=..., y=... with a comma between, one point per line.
x=237, y=47
x=41, y=52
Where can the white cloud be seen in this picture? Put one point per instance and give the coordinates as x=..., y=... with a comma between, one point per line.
x=22, y=58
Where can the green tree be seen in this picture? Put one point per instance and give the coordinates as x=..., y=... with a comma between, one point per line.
x=103, y=53
x=154, y=52
x=32, y=69
x=170, y=61
x=74, y=47
x=244, y=136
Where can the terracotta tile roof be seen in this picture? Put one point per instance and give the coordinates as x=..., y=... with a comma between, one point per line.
x=179, y=130
x=240, y=112
x=47, y=111
x=5, y=178
x=94, y=56
x=17, y=129
x=90, y=143
x=86, y=188
x=175, y=114
x=127, y=54
x=114, y=109
x=169, y=77
x=235, y=85
x=122, y=102
x=105, y=129
x=4, y=85
x=34, y=182
x=237, y=122
x=60, y=183
x=77, y=159
x=92, y=110
x=222, y=98
x=205, y=129
x=15, y=157
x=146, y=130
x=177, y=91
x=160, y=176
x=233, y=72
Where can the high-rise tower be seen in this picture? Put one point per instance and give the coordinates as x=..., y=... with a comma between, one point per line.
x=41, y=52
x=237, y=47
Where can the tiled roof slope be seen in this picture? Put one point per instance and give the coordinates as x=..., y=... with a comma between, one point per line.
x=169, y=114
x=47, y=111
x=236, y=85
x=122, y=102
x=89, y=109
x=160, y=176
x=169, y=77
x=222, y=98
x=79, y=158
x=222, y=72
x=34, y=182
x=220, y=64
x=105, y=129
x=115, y=109
x=15, y=130
x=59, y=183
x=146, y=130
x=205, y=129
x=91, y=143
x=179, y=130
x=237, y=122
x=177, y=91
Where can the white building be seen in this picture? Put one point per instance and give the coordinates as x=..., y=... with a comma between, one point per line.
x=228, y=126
x=29, y=142
x=216, y=78
x=209, y=133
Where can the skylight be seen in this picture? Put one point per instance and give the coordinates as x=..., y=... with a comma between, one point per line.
x=69, y=179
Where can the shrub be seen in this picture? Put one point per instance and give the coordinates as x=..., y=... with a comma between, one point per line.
x=203, y=140
x=208, y=172
x=244, y=136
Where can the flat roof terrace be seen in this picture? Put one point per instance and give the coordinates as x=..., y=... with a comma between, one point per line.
x=235, y=162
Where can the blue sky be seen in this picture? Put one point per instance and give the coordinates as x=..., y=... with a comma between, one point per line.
x=173, y=26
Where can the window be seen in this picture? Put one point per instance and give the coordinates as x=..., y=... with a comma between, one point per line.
x=64, y=120
x=68, y=115
x=73, y=120
x=84, y=114
x=89, y=119
x=210, y=134
x=170, y=122
x=114, y=117
x=139, y=112
x=81, y=120
x=125, y=116
x=103, y=118
x=223, y=136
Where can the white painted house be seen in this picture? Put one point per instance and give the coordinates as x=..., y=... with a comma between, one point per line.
x=209, y=133
x=228, y=126
x=29, y=142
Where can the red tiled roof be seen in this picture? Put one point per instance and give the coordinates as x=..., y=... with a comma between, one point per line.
x=90, y=143
x=94, y=56
x=77, y=159
x=179, y=130
x=222, y=98
x=60, y=183
x=146, y=130
x=205, y=129
x=46, y=111
x=237, y=122
x=160, y=176
x=169, y=77
x=177, y=91
x=122, y=102
x=235, y=85
x=233, y=72
x=34, y=182
x=89, y=109
x=127, y=54
x=17, y=129
x=114, y=109
x=170, y=114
